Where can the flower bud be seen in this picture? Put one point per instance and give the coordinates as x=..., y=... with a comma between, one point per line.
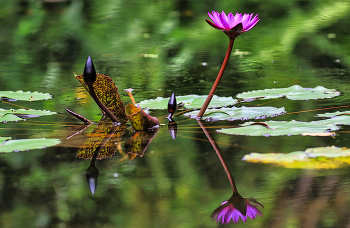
x=172, y=105
x=89, y=72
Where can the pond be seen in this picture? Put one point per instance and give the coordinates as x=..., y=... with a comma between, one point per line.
x=183, y=174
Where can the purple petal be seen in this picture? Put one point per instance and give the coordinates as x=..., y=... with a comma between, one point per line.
x=224, y=20
x=211, y=17
x=229, y=216
x=252, y=23
x=213, y=25
x=245, y=20
x=235, y=216
x=250, y=27
x=252, y=211
x=220, y=215
x=217, y=19
x=238, y=18
x=231, y=20
x=244, y=218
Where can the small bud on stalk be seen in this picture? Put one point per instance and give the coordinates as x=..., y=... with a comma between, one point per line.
x=172, y=105
x=89, y=72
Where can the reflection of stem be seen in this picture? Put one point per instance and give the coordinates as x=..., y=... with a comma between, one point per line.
x=217, y=81
x=221, y=157
x=78, y=132
x=101, y=105
x=101, y=145
x=92, y=172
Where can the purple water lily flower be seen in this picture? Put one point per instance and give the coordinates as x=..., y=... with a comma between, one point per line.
x=231, y=25
x=236, y=207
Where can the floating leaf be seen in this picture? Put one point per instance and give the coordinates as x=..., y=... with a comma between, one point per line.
x=139, y=119
x=9, y=118
x=101, y=131
x=26, y=112
x=243, y=113
x=319, y=134
x=11, y=114
x=328, y=152
x=312, y=158
x=107, y=92
x=332, y=114
x=337, y=120
x=3, y=139
x=189, y=101
x=27, y=144
x=295, y=92
x=276, y=157
x=278, y=128
x=25, y=96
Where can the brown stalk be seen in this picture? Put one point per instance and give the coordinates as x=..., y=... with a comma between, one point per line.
x=217, y=81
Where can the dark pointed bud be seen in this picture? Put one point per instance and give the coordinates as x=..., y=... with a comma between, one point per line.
x=89, y=72
x=92, y=178
x=172, y=127
x=172, y=105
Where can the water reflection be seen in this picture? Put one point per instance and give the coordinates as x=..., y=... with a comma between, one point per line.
x=139, y=143
x=236, y=207
x=92, y=171
x=105, y=141
x=172, y=127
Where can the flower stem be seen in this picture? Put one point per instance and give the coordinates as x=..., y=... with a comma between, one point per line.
x=101, y=105
x=219, y=154
x=217, y=81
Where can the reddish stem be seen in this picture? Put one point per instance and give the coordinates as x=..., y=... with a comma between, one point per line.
x=221, y=157
x=217, y=81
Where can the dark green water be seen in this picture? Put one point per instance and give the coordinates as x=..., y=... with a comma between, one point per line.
x=157, y=48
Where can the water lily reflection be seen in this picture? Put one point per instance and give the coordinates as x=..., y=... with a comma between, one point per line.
x=236, y=207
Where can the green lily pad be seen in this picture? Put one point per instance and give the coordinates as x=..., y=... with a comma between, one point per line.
x=11, y=114
x=276, y=157
x=311, y=158
x=328, y=152
x=337, y=120
x=295, y=92
x=9, y=118
x=3, y=139
x=279, y=128
x=27, y=144
x=243, y=113
x=26, y=112
x=332, y=114
x=25, y=96
x=189, y=101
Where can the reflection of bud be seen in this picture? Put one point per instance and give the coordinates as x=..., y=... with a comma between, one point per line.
x=236, y=207
x=92, y=178
x=89, y=72
x=172, y=127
